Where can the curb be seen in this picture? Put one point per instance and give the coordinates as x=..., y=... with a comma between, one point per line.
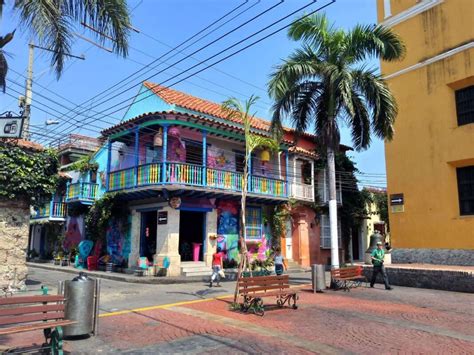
x=136, y=279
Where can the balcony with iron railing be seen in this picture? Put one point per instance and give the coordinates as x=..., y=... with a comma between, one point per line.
x=185, y=174
x=53, y=211
x=84, y=192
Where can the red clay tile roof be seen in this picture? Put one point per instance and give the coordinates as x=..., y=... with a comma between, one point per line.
x=23, y=144
x=181, y=99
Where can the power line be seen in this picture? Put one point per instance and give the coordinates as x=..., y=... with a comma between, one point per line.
x=232, y=54
x=165, y=54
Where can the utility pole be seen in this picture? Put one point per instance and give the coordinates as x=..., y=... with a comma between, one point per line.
x=28, y=87
x=28, y=92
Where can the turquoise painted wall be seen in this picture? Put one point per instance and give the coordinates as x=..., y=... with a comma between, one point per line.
x=144, y=102
x=101, y=158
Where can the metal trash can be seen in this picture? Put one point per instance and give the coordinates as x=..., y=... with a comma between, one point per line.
x=80, y=305
x=318, y=277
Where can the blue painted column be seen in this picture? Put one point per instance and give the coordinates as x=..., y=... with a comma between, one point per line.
x=204, y=158
x=109, y=162
x=165, y=153
x=287, y=166
x=136, y=152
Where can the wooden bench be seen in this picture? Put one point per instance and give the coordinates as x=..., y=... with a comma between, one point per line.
x=28, y=313
x=254, y=289
x=348, y=277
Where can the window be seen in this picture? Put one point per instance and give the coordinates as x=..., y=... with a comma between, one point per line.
x=466, y=190
x=326, y=232
x=239, y=162
x=465, y=105
x=193, y=152
x=253, y=221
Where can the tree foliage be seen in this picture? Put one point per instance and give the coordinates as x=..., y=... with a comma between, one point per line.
x=101, y=213
x=53, y=22
x=28, y=175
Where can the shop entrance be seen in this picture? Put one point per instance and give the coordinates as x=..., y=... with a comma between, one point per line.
x=191, y=235
x=148, y=234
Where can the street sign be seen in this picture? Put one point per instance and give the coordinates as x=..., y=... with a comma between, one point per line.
x=396, y=199
x=10, y=126
x=163, y=217
x=397, y=203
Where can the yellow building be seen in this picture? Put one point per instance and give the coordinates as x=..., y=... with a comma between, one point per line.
x=430, y=162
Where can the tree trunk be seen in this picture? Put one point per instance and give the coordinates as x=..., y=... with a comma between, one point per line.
x=243, y=230
x=333, y=208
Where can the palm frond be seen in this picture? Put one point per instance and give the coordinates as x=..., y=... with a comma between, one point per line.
x=3, y=71
x=108, y=17
x=303, y=64
x=326, y=127
x=379, y=99
x=313, y=30
x=359, y=122
x=382, y=42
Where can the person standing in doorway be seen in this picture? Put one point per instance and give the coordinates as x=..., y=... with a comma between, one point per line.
x=279, y=262
x=377, y=257
x=217, y=266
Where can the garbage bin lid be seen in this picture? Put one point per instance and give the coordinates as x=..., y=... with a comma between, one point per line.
x=81, y=277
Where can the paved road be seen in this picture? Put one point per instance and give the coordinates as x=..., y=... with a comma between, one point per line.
x=188, y=319
x=117, y=296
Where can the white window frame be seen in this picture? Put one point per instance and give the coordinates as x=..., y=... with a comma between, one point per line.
x=325, y=240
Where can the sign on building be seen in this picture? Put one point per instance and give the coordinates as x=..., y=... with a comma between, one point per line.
x=10, y=126
x=162, y=217
x=397, y=203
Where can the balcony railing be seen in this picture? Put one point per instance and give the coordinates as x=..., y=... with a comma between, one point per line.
x=82, y=191
x=302, y=191
x=50, y=210
x=193, y=175
x=323, y=188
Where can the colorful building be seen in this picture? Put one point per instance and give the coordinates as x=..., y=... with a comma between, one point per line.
x=430, y=162
x=176, y=163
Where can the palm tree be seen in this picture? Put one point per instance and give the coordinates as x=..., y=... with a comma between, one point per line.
x=52, y=23
x=325, y=83
x=236, y=110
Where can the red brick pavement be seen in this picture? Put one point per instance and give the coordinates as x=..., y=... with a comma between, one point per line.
x=362, y=321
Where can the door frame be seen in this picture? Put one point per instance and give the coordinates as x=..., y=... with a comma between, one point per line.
x=204, y=211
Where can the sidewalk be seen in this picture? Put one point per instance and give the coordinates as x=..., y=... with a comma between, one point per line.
x=438, y=277
x=363, y=321
x=115, y=276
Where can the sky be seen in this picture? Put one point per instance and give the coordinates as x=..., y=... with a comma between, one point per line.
x=163, y=24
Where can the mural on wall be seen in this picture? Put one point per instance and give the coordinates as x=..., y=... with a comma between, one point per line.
x=73, y=233
x=118, y=239
x=228, y=228
x=218, y=158
x=176, y=147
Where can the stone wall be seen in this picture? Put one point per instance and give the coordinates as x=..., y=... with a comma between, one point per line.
x=459, y=281
x=433, y=256
x=14, y=227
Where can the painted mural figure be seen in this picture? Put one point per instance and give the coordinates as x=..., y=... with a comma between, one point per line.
x=73, y=234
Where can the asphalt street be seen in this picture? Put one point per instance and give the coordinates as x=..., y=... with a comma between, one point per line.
x=117, y=296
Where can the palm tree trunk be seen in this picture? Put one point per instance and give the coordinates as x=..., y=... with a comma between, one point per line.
x=333, y=208
x=243, y=229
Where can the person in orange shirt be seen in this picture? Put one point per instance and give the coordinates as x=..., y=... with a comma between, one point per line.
x=217, y=267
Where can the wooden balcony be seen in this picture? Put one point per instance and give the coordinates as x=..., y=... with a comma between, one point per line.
x=53, y=211
x=191, y=175
x=301, y=191
x=83, y=192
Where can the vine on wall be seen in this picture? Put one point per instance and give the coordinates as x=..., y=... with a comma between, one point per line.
x=29, y=175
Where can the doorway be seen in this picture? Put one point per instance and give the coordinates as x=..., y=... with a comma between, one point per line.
x=191, y=235
x=148, y=234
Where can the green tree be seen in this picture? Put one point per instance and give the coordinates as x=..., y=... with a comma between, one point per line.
x=325, y=83
x=52, y=23
x=27, y=175
x=236, y=110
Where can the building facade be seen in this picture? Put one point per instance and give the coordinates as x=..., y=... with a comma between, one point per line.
x=430, y=162
x=176, y=164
